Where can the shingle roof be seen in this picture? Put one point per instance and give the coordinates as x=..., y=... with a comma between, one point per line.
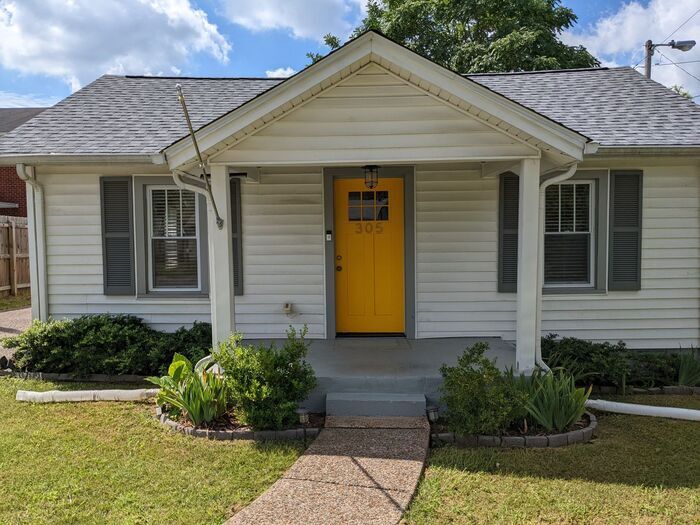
x=10, y=118
x=613, y=106
x=129, y=115
x=141, y=115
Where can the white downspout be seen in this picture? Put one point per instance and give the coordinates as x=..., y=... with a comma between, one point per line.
x=540, y=256
x=37, y=241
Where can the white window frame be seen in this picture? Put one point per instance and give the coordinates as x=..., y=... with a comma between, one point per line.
x=149, y=236
x=591, y=231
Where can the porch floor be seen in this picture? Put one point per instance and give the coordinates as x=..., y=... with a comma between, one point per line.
x=391, y=364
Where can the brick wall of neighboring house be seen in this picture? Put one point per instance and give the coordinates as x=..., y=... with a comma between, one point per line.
x=12, y=189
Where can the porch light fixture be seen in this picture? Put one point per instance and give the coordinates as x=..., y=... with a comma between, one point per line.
x=433, y=413
x=371, y=176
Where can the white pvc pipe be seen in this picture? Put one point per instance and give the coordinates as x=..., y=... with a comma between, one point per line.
x=77, y=396
x=644, y=410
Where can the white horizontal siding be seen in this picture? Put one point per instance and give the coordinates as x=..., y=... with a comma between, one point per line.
x=74, y=260
x=374, y=116
x=283, y=254
x=457, y=257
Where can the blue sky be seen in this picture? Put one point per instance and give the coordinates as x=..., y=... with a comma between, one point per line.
x=83, y=39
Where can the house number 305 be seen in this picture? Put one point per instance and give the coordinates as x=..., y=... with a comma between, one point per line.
x=368, y=227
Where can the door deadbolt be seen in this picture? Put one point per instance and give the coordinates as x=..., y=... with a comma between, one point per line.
x=338, y=268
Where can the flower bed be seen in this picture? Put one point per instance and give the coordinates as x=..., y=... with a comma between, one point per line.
x=580, y=435
x=242, y=432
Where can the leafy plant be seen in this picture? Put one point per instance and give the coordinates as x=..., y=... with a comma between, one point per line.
x=689, y=369
x=588, y=362
x=481, y=399
x=266, y=383
x=105, y=344
x=555, y=403
x=651, y=369
x=197, y=394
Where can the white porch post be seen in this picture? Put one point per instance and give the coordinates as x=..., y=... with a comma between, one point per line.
x=221, y=291
x=527, y=331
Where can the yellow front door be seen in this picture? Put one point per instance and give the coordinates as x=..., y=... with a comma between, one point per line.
x=369, y=256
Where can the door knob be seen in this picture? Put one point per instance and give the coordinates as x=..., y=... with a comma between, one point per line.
x=338, y=268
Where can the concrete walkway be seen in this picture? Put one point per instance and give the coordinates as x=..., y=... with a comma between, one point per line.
x=357, y=471
x=13, y=322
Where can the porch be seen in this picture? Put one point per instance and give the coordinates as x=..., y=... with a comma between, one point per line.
x=391, y=364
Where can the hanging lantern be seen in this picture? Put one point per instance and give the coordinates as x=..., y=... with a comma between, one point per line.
x=371, y=176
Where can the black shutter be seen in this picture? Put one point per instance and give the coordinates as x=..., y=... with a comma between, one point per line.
x=237, y=234
x=117, y=236
x=508, y=233
x=624, y=265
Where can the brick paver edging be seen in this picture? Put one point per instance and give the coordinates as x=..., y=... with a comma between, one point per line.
x=674, y=390
x=582, y=435
x=229, y=435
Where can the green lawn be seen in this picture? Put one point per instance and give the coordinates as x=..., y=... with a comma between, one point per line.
x=113, y=463
x=638, y=470
x=11, y=302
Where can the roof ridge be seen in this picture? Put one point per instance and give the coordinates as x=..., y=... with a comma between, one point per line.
x=542, y=71
x=153, y=77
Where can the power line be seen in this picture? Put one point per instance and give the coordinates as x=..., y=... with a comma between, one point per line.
x=686, y=21
x=679, y=67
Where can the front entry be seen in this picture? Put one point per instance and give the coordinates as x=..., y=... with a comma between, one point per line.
x=369, y=256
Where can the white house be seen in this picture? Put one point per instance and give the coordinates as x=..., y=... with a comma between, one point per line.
x=506, y=205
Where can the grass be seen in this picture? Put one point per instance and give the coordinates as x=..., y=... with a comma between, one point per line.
x=638, y=470
x=113, y=463
x=12, y=302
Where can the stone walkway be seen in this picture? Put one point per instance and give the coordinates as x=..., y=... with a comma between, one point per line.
x=357, y=471
x=13, y=323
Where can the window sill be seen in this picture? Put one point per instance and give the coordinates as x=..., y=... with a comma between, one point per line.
x=173, y=295
x=574, y=290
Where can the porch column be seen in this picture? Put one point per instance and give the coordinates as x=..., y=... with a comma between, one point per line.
x=221, y=291
x=527, y=331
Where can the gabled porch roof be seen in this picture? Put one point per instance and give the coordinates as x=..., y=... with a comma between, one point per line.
x=537, y=132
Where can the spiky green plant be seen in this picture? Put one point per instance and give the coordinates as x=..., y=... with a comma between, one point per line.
x=689, y=369
x=554, y=402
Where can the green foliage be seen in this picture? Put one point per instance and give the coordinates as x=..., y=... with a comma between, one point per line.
x=588, y=362
x=689, y=369
x=554, y=402
x=472, y=36
x=652, y=369
x=197, y=394
x=266, y=383
x=105, y=344
x=480, y=399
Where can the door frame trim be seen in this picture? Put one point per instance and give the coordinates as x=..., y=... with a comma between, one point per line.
x=407, y=173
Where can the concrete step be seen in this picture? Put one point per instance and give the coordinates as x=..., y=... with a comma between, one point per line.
x=374, y=404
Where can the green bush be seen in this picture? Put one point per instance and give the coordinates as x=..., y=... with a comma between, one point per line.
x=689, y=369
x=197, y=394
x=104, y=344
x=480, y=399
x=589, y=363
x=266, y=383
x=554, y=402
x=652, y=369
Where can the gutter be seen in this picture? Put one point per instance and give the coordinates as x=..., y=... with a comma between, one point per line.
x=37, y=241
x=645, y=151
x=540, y=256
x=59, y=158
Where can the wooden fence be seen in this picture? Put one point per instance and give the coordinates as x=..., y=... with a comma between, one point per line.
x=14, y=255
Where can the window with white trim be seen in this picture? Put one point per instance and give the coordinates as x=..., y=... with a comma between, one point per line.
x=568, y=242
x=173, y=245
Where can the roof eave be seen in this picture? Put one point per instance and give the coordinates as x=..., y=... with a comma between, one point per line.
x=89, y=158
x=646, y=151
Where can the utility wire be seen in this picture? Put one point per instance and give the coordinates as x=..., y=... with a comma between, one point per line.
x=672, y=33
x=679, y=67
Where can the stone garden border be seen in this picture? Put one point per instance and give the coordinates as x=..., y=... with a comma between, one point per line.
x=582, y=435
x=230, y=435
x=674, y=390
x=75, y=378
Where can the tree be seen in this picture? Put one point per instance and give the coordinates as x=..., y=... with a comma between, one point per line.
x=681, y=91
x=470, y=36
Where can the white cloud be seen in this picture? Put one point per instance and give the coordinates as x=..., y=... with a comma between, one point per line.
x=304, y=18
x=17, y=100
x=619, y=38
x=280, y=72
x=78, y=40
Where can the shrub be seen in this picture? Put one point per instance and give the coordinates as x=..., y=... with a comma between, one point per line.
x=266, y=383
x=480, y=399
x=554, y=402
x=197, y=394
x=588, y=362
x=651, y=369
x=104, y=344
x=689, y=369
